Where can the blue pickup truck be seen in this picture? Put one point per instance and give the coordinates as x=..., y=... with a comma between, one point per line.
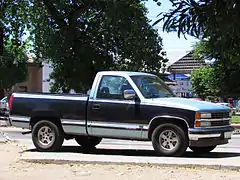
x=122, y=105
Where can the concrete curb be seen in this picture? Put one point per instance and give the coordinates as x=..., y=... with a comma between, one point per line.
x=192, y=166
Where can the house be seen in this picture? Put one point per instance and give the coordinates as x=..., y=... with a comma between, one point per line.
x=46, y=71
x=181, y=71
x=34, y=79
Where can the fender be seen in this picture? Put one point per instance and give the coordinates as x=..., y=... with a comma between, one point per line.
x=148, y=128
x=169, y=117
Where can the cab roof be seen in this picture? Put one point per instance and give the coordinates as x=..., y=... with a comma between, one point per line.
x=128, y=73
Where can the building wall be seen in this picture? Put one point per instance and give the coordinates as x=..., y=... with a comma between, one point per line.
x=183, y=85
x=33, y=82
x=47, y=69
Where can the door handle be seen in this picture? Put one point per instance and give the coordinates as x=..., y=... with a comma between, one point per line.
x=96, y=106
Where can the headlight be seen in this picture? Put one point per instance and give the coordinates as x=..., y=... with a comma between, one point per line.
x=203, y=115
x=202, y=123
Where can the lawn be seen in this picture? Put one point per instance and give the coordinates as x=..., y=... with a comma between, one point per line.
x=235, y=119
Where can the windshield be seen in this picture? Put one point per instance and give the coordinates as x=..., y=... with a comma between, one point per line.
x=152, y=87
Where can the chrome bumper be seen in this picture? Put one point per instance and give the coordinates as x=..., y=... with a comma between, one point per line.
x=195, y=137
x=208, y=133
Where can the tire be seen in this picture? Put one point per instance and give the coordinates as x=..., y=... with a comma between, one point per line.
x=47, y=136
x=202, y=149
x=169, y=140
x=88, y=142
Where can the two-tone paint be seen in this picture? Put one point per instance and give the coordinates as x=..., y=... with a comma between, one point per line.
x=110, y=118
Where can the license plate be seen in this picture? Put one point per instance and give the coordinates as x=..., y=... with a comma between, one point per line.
x=227, y=135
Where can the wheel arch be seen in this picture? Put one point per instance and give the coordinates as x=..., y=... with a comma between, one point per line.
x=51, y=118
x=159, y=120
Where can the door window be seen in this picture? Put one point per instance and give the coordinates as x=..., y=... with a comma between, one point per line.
x=112, y=87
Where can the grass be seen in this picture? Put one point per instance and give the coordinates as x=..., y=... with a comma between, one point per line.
x=235, y=119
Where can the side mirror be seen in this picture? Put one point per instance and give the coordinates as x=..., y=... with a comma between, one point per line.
x=129, y=94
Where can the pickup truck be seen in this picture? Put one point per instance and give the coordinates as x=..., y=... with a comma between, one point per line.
x=122, y=105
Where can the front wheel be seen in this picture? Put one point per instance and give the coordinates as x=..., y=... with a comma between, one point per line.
x=47, y=136
x=88, y=142
x=169, y=140
x=202, y=149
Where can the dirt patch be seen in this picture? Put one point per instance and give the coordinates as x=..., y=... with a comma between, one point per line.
x=12, y=168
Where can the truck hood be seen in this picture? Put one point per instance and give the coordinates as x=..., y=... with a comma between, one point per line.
x=188, y=104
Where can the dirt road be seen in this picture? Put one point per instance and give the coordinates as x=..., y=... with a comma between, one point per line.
x=12, y=168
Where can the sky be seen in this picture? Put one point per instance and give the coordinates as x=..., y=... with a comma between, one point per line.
x=175, y=47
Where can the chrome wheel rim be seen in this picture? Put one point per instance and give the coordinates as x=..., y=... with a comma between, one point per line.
x=46, y=136
x=168, y=140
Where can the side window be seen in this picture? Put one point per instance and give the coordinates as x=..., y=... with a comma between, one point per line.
x=112, y=87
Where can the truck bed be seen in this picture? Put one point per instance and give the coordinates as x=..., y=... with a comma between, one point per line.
x=63, y=106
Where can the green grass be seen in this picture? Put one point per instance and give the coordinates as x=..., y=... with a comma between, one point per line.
x=235, y=119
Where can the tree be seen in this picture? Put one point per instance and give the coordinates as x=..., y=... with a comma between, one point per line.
x=80, y=38
x=215, y=23
x=12, y=69
x=214, y=20
x=221, y=76
x=13, y=23
x=201, y=82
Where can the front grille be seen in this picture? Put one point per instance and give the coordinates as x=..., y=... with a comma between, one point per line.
x=220, y=115
x=220, y=123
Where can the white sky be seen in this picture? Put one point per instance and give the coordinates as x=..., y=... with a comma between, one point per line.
x=175, y=47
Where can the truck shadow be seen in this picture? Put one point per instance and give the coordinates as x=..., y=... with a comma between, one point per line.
x=138, y=153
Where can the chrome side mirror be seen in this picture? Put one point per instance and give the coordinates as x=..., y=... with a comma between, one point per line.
x=129, y=94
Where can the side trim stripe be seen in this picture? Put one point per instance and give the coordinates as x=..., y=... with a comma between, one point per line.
x=20, y=118
x=73, y=122
x=44, y=96
x=109, y=125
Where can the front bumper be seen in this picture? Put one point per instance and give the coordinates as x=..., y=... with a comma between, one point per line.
x=209, y=136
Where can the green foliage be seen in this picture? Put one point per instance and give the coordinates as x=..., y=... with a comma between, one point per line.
x=214, y=20
x=201, y=82
x=216, y=24
x=14, y=21
x=12, y=69
x=80, y=38
x=235, y=119
x=202, y=50
x=224, y=74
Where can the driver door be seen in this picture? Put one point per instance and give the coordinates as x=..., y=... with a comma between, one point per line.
x=109, y=114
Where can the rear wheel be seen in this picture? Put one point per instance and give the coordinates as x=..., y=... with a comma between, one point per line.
x=47, y=136
x=88, y=142
x=169, y=140
x=202, y=149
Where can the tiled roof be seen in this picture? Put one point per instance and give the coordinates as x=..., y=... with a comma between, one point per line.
x=186, y=64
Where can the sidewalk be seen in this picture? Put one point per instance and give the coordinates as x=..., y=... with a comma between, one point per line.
x=223, y=157
x=230, y=163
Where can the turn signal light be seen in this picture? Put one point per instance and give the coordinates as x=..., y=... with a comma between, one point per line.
x=202, y=124
x=197, y=124
x=198, y=115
